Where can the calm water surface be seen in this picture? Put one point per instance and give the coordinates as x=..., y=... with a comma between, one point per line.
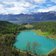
x=43, y=45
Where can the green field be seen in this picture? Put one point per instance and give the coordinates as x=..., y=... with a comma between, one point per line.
x=39, y=32
x=47, y=34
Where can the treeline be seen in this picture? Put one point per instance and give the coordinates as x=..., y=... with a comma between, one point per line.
x=7, y=28
x=6, y=46
x=46, y=26
x=10, y=28
x=7, y=39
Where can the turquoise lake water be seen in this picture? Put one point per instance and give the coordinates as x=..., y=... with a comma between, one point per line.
x=43, y=45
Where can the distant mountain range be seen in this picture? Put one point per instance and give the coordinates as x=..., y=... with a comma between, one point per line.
x=28, y=18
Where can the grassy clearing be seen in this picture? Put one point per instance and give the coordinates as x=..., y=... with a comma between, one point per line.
x=47, y=34
x=39, y=32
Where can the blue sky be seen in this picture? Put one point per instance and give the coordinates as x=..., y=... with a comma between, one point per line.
x=26, y=6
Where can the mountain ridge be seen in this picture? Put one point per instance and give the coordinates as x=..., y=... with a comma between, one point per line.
x=28, y=18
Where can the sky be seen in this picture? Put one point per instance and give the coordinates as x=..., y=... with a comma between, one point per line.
x=26, y=6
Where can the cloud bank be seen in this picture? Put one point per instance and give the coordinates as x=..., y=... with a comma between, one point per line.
x=26, y=6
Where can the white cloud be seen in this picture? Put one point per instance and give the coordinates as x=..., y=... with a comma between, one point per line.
x=52, y=8
x=19, y=7
x=40, y=1
x=2, y=9
x=24, y=6
x=15, y=10
x=8, y=0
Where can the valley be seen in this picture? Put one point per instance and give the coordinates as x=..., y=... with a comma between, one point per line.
x=9, y=31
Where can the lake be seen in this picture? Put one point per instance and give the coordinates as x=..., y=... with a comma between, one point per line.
x=30, y=41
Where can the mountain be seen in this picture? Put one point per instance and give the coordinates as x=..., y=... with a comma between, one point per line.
x=28, y=18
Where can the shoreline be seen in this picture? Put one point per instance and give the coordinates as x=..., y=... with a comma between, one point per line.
x=46, y=34
x=51, y=51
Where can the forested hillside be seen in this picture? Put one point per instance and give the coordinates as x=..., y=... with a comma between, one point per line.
x=48, y=28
